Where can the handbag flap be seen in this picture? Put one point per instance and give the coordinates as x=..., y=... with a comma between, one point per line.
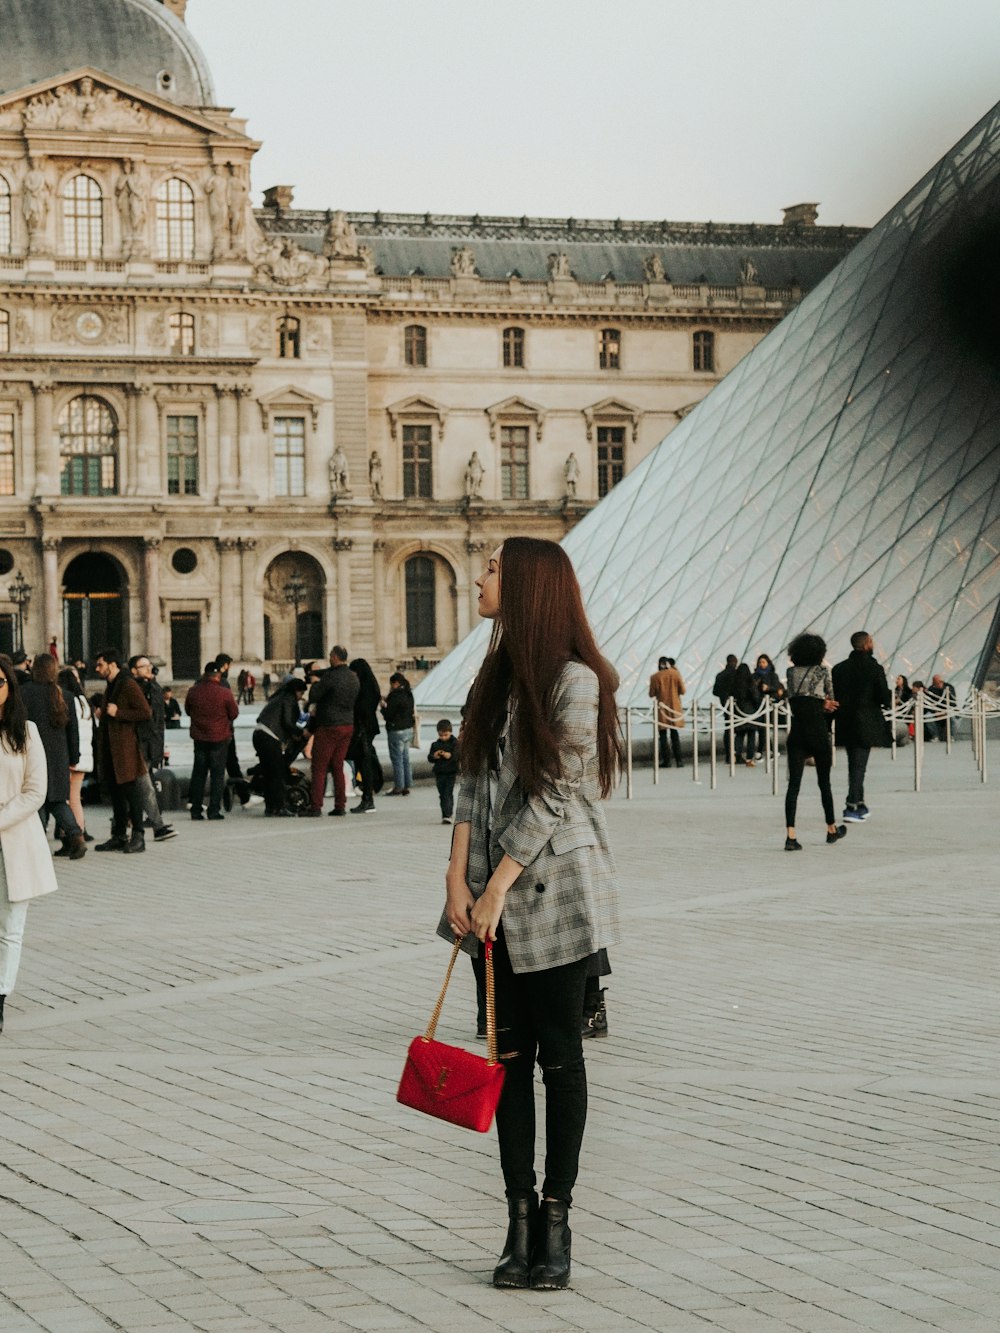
x=448, y=1072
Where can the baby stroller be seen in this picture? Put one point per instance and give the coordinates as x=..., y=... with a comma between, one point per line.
x=297, y=793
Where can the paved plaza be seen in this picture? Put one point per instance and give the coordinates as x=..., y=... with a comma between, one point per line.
x=794, y=1123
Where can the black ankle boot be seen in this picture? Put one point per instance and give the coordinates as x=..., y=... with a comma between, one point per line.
x=514, y=1268
x=137, y=842
x=550, y=1269
x=2, y=998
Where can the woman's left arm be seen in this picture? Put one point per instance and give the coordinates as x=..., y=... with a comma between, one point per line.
x=31, y=797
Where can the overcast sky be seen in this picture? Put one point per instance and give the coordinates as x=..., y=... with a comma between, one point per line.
x=627, y=108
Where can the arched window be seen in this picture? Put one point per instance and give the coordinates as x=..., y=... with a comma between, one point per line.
x=288, y=337
x=83, y=218
x=421, y=612
x=513, y=348
x=415, y=345
x=175, y=219
x=611, y=349
x=88, y=445
x=703, y=349
x=181, y=334
x=4, y=331
x=5, y=235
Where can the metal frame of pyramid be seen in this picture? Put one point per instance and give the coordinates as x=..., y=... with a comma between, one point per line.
x=845, y=475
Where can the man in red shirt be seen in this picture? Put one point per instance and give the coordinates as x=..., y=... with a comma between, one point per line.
x=212, y=710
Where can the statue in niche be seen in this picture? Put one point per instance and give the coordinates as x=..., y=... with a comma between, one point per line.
x=131, y=195
x=474, y=474
x=217, y=193
x=237, y=194
x=571, y=472
x=748, y=273
x=375, y=475
x=34, y=203
x=340, y=479
x=463, y=262
x=340, y=241
x=653, y=268
x=559, y=265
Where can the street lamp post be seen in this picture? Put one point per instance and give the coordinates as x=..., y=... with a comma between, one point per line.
x=20, y=594
x=295, y=593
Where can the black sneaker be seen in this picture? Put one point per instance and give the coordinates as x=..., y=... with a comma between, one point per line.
x=310, y=814
x=165, y=833
x=113, y=844
x=793, y=845
x=365, y=808
x=335, y=813
x=217, y=815
x=840, y=833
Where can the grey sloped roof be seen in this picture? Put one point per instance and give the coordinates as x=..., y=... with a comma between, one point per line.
x=690, y=252
x=131, y=39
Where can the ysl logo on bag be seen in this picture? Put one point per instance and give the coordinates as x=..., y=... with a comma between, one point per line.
x=442, y=1079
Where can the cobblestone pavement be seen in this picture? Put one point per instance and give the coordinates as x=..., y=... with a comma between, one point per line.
x=794, y=1123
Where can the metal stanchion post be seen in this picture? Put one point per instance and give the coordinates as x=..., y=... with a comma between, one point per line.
x=656, y=742
x=892, y=726
x=767, y=732
x=947, y=722
x=712, y=756
x=628, y=753
x=918, y=739
x=982, y=708
x=694, y=741
x=774, y=756
x=731, y=725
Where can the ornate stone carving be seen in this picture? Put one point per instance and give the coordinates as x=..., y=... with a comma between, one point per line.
x=653, y=268
x=317, y=335
x=571, y=471
x=210, y=333
x=237, y=196
x=343, y=543
x=340, y=241
x=283, y=262
x=367, y=256
x=474, y=473
x=24, y=335
x=340, y=477
x=558, y=265
x=475, y=547
x=152, y=543
x=108, y=324
x=749, y=276
x=131, y=194
x=50, y=543
x=157, y=331
x=261, y=337
x=217, y=193
x=375, y=475
x=35, y=192
x=228, y=543
x=84, y=107
x=463, y=262
x=248, y=543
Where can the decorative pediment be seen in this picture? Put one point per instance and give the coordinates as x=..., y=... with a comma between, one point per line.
x=612, y=411
x=512, y=409
x=290, y=399
x=88, y=101
x=411, y=409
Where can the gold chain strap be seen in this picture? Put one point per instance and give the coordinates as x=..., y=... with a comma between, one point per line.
x=491, y=1020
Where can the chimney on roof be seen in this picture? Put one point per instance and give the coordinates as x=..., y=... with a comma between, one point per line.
x=176, y=7
x=800, y=215
x=279, y=197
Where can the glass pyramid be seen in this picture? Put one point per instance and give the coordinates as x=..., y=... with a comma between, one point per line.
x=845, y=475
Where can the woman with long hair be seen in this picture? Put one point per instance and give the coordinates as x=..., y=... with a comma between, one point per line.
x=399, y=721
x=531, y=869
x=54, y=714
x=69, y=680
x=366, y=728
x=25, y=864
x=810, y=697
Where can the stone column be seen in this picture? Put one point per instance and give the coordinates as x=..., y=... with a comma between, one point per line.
x=228, y=465
x=342, y=630
x=252, y=479
x=148, y=451
x=151, y=581
x=378, y=596
x=469, y=614
x=128, y=480
x=46, y=448
x=229, y=594
x=50, y=592
x=253, y=605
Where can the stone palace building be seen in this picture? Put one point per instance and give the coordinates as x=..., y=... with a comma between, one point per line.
x=263, y=430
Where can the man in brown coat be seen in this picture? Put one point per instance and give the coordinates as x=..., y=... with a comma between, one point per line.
x=122, y=709
x=666, y=687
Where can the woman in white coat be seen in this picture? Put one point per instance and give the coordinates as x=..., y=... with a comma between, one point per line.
x=25, y=861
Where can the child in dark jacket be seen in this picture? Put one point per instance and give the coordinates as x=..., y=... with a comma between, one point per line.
x=444, y=758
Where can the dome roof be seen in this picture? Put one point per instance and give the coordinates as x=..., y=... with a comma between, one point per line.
x=137, y=41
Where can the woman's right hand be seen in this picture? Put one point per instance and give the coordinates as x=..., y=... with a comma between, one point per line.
x=458, y=906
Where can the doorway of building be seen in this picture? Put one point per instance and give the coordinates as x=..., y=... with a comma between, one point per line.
x=95, y=604
x=185, y=645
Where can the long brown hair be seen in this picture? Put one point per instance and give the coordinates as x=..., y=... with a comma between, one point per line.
x=541, y=626
x=45, y=671
x=14, y=722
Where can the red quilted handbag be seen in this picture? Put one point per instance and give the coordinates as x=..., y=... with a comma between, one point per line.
x=448, y=1082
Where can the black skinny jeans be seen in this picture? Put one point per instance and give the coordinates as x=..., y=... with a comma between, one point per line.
x=272, y=770
x=857, y=762
x=797, y=755
x=539, y=1017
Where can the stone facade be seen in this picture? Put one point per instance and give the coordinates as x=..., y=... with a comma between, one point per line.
x=214, y=420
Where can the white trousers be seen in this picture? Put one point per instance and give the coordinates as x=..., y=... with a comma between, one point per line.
x=12, y=919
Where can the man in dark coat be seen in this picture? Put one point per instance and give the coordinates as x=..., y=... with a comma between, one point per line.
x=735, y=683
x=861, y=691
x=151, y=743
x=212, y=710
x=331, y=727
x=123, y=707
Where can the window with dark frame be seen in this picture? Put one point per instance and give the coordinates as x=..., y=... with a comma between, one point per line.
x=611, y=349
x=415, y=345
x=88, y=446
x=703, y=347
x=421, y=610
x=181, y=334
x=288, y=338
x=289, y=443
x=513, y=348
x=182, y=455
x=417, y=463
x=174, y=219
x=610, y=458
x=6, y=453
x=5, y=215
x=83, y=218
x=514, y=442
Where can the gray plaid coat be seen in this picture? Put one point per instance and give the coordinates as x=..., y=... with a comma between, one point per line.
x=564, y=905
